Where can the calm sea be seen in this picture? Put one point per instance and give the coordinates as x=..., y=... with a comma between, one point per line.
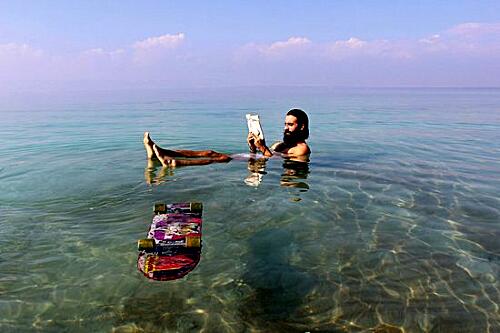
x=392, y=226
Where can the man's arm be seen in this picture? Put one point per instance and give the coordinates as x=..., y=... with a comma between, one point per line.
x=260, y=145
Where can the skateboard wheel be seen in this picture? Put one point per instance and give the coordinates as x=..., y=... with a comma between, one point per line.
x=160, y=208
x=145, y=244
x=193, y=241
x=196, y=207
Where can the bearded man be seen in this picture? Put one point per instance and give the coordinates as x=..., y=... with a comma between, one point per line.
x=295, y=134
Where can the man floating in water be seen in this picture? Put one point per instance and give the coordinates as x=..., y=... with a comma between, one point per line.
x=295, y=134
x=294, y=145
x=293, y=148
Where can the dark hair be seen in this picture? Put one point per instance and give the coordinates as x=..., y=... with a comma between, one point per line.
x=302, y=119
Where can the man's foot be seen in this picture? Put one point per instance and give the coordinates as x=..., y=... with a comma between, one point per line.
x=164, y=159
x=148, y=144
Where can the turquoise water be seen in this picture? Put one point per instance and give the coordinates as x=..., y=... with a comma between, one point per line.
x=393, y=226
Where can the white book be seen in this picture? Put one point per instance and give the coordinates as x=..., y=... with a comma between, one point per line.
x=254, y=127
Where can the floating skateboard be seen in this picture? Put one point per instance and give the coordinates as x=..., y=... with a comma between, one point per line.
x=172, y=248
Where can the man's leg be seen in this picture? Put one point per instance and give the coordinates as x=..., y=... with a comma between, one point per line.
x=167, y=160
x=149, y=143
x=198, y=153
x=164, y=159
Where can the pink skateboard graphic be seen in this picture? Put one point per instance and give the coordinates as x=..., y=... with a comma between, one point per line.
x=172, y=248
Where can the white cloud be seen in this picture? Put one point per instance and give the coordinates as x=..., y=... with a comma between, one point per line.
x=292, y=47
x=291, y=43
x=475, y=29
x=434, y=39
x=164, y=41
x=157, y=51
x=466, y=39
x=303, y=48
x=432, y=44
x=453, y=53
x=355, y=48
x=99, y=53
x=142, y=59
x=351, y=43
x=19, y=50
x=20, y=61
x=102, y=52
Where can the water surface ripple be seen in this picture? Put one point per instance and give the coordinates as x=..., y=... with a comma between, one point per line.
x=392, y=226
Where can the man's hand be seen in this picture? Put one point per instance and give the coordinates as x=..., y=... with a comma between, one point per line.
x=251, y=143
x=260, y=144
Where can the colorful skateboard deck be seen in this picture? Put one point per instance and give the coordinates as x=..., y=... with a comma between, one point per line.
x=172, y=248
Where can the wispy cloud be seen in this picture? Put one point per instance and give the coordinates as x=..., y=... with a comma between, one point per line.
x=143, y=59
x=22, y=61
x=464, y=54
x=164, y=41
x=303, y=47
x=453, y=56
x=351, y=43
x=286, y=48
x=103, y=53
x=431, y=40
x=357, y=48
x=475, y=29
x=290, y=44
x=16, y=50
x=464, y=40
x=467, y=39
x=156, y=50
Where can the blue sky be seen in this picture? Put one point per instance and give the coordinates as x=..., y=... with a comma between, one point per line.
x=225, y=43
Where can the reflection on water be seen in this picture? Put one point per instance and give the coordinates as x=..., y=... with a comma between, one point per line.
x=256, y=171
x=155, y=173
x=294, y=174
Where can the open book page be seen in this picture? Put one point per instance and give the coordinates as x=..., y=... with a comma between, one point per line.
x=254, y=126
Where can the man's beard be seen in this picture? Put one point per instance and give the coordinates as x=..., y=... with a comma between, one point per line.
x=291, y=138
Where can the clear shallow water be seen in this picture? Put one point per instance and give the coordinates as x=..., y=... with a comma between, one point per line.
x=393, y=225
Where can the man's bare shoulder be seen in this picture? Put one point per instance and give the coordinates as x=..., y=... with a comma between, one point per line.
x=300, y=149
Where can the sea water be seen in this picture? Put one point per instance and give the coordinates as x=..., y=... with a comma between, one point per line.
x=392, y=226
